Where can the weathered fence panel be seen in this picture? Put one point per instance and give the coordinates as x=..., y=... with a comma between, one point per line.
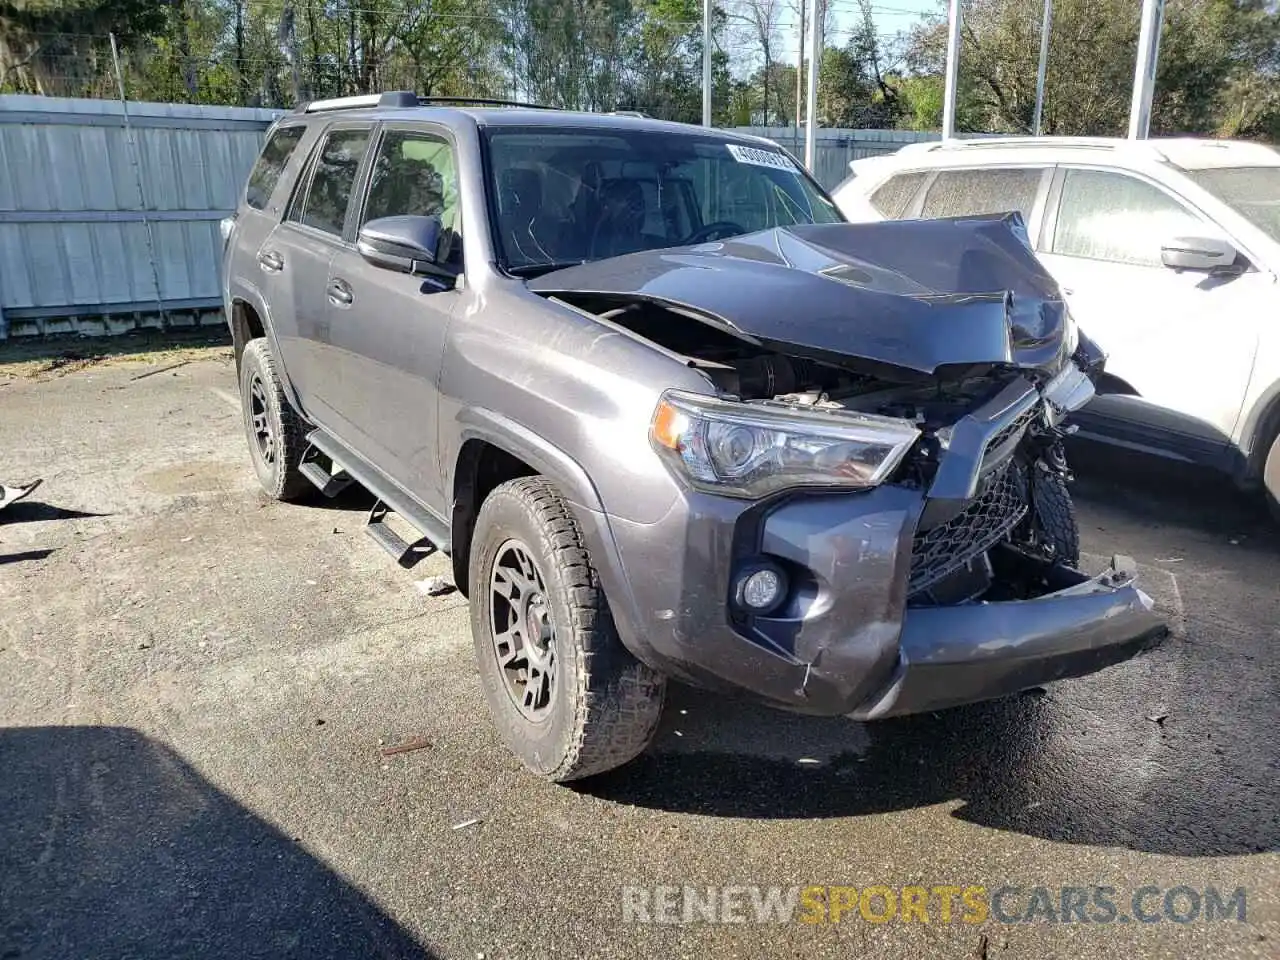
x=109, y=221
x=105, y=226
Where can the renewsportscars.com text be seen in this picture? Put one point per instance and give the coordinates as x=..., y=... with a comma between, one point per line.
x=971, y=903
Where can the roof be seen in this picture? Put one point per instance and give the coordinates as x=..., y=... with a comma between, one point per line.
x=1187, y=152
x=397, y=105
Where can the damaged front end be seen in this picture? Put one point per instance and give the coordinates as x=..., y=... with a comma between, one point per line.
x=930, y=366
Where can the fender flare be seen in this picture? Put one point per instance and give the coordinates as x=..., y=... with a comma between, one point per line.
x=249, y=294
x=549, y=460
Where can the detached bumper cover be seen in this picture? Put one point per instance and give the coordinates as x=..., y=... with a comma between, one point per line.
x=956, y=655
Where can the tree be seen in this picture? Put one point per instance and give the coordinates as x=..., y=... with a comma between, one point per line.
x=1210, y=52
x=59, y=47
x=761, y=19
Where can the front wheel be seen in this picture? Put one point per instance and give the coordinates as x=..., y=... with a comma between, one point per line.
x=565, y=694
x=1271, y=478
x=1055, y=515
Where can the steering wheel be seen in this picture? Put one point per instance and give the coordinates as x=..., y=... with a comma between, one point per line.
x=717, y=230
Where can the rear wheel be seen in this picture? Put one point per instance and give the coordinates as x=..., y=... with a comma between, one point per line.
x=275, y=432
x=565, y=694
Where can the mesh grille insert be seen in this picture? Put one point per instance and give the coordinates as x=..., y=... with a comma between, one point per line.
x=941, y=550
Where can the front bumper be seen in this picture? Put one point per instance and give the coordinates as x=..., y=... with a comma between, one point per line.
x=847, y=643
x=963, y=654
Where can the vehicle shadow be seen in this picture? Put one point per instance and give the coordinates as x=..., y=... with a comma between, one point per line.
x=1165, y=493
x=1030, y=764
x=112, y=846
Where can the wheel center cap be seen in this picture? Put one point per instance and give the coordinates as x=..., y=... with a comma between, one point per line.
x=537, y=629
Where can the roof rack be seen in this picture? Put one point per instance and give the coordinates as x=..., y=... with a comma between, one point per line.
x=406, y=98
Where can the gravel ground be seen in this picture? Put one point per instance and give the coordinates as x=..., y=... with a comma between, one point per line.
x=203, y=692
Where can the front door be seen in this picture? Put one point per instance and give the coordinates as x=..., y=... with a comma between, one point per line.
x=388, y=328
x=1181, y=343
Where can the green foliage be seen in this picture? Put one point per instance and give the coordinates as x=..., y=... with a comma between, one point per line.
x=1217, y=71
x=1219, y=65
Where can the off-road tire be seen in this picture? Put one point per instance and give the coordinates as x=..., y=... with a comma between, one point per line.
x=1055, y=515
x=280, y=478
x=604, y=704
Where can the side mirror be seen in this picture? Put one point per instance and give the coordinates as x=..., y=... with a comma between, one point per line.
x=407, y=244
x=1207, y=253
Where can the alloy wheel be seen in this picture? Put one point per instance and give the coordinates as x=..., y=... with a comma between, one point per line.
x=522, y=630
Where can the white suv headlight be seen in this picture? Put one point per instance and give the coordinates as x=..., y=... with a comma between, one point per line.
x=753, y=449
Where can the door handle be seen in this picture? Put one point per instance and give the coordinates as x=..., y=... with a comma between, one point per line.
x=271, y=261
x=1067, y=291
x=340, y=294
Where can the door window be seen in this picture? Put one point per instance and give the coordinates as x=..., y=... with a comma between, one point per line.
x=1116, y=217
x=893, y=196
x=415, y=173
x=973, y=193
x=266, y=172
x=324, y=205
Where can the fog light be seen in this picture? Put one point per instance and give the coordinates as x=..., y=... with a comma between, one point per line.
x=761, y=589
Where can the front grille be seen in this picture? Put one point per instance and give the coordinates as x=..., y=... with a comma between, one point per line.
x=943, y=549
x=1014, y=427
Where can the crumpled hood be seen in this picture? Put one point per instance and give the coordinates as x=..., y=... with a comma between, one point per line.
x=914, y=294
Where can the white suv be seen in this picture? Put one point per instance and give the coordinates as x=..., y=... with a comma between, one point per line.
x=1167, y=252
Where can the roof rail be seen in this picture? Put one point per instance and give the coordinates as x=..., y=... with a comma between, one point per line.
x=406, y=98
x=483, y=102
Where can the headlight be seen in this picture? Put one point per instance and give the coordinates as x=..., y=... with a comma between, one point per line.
x=753, y=449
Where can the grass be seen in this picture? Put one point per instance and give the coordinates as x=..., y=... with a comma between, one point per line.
x=48, y=357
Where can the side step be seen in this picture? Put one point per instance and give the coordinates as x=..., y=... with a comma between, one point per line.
x=317, y=467
x=434, y=533
x=406, y=553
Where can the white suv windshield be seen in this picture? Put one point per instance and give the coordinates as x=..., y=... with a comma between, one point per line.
x=570, y=196
x=1254, y=192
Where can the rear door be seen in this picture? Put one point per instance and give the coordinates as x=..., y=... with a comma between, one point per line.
x=265, y=197
x=981, y=191
x=1181, y=342
x=388, y=328
x=297, y=256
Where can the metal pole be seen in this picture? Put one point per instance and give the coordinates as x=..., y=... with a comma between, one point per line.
x=1044, y=65
x=1144, y=72
x=811, y=108
x=795, y=136
x=137, y=174
x=953, y=71
x=706, y=63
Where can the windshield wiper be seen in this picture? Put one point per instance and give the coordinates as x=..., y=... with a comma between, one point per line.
x=531, y=270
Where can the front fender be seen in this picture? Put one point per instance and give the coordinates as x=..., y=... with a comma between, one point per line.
x=573, y=482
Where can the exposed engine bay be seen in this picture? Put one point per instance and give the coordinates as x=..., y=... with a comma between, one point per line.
x=998, y=538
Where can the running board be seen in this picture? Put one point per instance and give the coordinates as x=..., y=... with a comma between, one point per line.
x=319, y=468
x=405, y=553
x=434, y=534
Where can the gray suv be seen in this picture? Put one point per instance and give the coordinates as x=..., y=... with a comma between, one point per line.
x=670, y=416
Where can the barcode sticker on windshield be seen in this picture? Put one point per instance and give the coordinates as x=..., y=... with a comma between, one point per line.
x=761, y=158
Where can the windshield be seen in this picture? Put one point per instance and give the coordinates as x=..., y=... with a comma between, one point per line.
x=569, y=196
x=1254, y=192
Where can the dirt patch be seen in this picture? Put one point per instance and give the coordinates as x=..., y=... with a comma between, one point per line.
x=196, y=477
